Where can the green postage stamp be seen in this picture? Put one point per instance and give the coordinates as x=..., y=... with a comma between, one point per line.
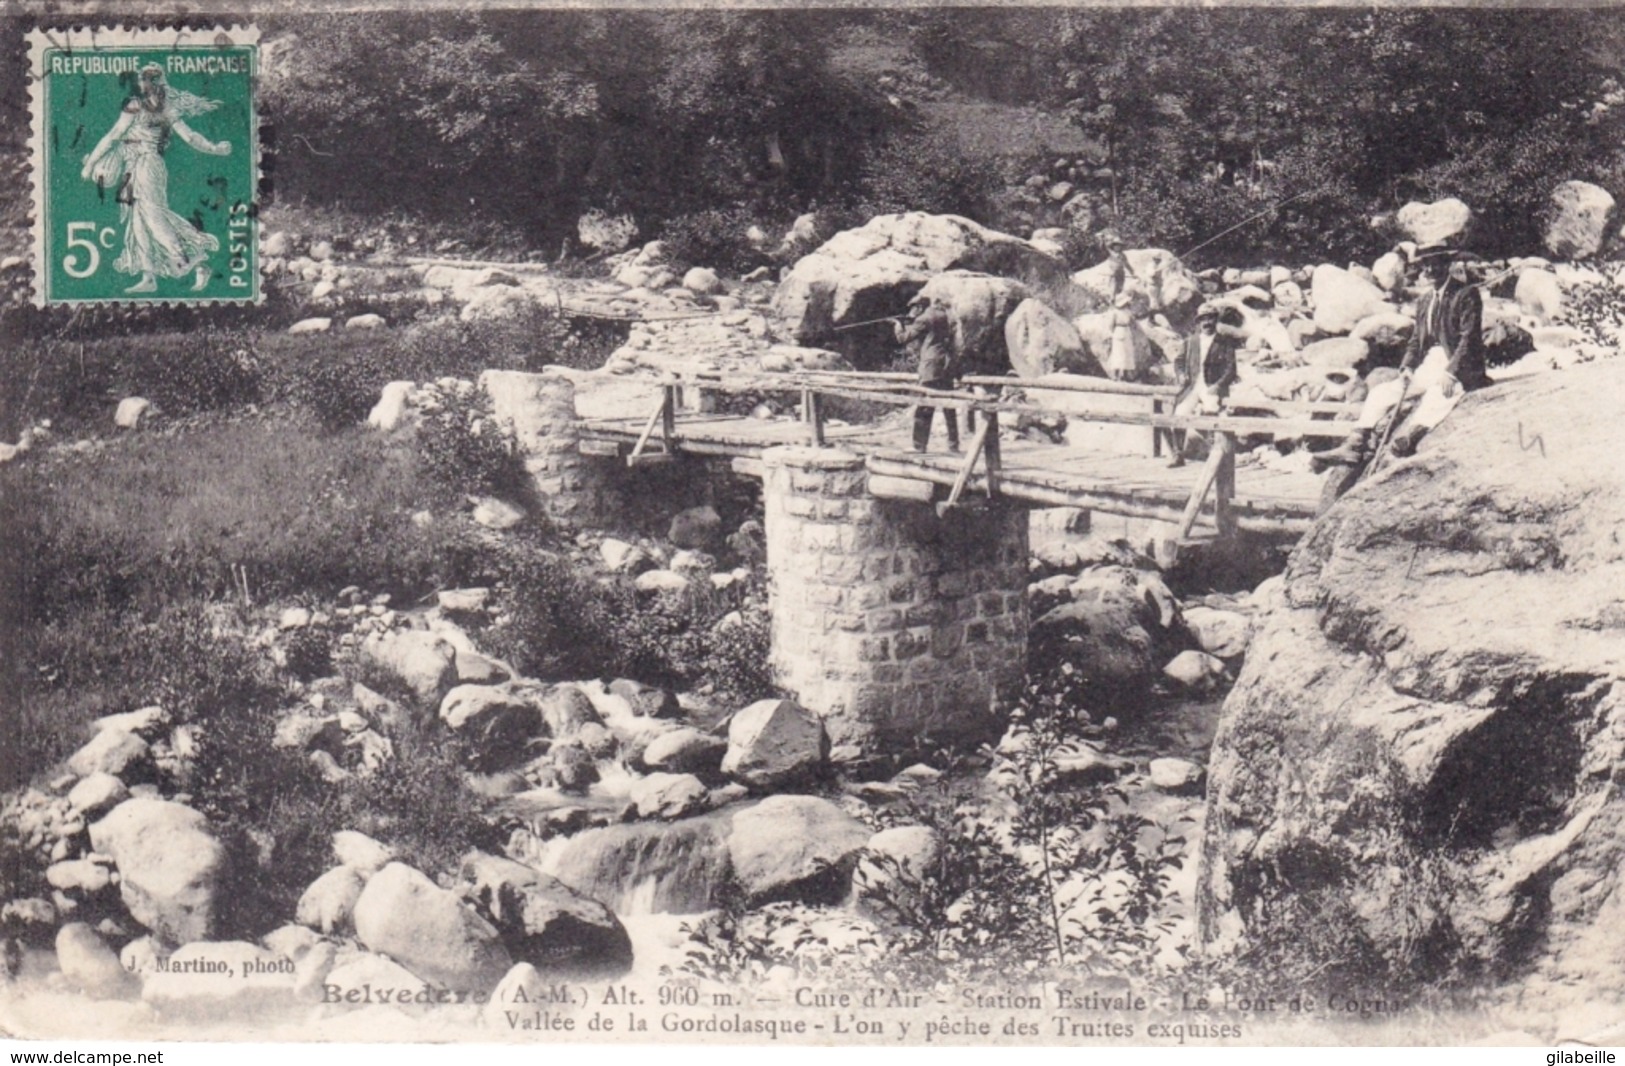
x=145, y=165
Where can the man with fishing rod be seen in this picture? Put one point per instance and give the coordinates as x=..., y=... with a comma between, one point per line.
x=1443, y=361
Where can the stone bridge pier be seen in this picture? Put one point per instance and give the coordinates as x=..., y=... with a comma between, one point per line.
x=895, y=624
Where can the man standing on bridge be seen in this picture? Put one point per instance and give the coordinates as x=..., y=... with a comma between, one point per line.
x=1206, y=368
x=932, y=331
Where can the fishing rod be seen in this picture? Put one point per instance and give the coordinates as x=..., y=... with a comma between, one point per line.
x=1253, y=218
x=869, y=322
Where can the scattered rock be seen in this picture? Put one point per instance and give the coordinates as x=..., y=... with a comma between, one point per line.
x=702, y=281
x=403, y=914
x=328, y=905
x=1341, y=299
x=1577, y=220
x=1221, y=633
x=498, y=724
x=660, y=581
x=898, y=864
x=89, y=965
x=796, y=848
x=874, y=270
x=685, y=751
x=131, y=412
x=1446, y=221
x=1178, y=776
x=463, y=601
x=773, y=743
x=493, y=513
x=1389, y=329
x=573, y=767
x=696, y=527
x=566, y=710
x=668, y=796
x=1196, y=670
x=545, y=923
x=1338, y=353
x=360, y=852
x=290, y=941
x=1040, y=342
x=112, y=751
x=81, y=876
x=622, y=557
x=169, y=865
x=394, y=406
x=311, y=325
x=647, y=701
x=368, y=321
x=425, y=663
x=1539, y=293
x=1114, y=627
x=310, y=972
x=97, y=793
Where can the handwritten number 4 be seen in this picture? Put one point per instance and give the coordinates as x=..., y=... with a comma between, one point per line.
x=1533, y=442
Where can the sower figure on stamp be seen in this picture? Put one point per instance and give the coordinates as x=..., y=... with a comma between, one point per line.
x=1443, y=361
x=932, y=331
x=1206, y=369
x=130, y=159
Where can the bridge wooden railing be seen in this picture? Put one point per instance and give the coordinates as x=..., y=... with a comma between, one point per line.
x=984, y=407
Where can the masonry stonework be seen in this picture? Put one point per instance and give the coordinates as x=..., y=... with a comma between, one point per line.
x=893, y=623
x=541, y=408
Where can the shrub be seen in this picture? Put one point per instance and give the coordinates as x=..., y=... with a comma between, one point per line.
x=463, y=447
x=716, y=238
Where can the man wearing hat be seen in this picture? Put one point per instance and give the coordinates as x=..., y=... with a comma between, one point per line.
x=1205, y=370
x=929, y=327
x=1443, y=360
x=1451, y=317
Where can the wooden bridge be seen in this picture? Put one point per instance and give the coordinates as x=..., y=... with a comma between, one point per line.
x=1203, y=501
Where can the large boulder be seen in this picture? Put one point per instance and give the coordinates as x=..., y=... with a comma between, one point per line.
x=1446, y=220
x=1041, y=342
x=773, y=743
x=668, y=796
x=499, y=723
x=1114, y=625
x=978, y=305
x=1337, y=353
x=430, y=931
x=795, y=847
x=1343, y=299
x=1539, y=293
x=872, y=271
x=170, y=866
x=329, y=903
x=114, y=752
x=1577, y=220
x=1414, y=775
x=426, y=664
x=685, y=751
x=544, y=922
x=1160, y=282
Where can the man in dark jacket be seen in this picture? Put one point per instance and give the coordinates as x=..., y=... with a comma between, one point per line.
x=932, y=330
x=1446, y=346
x=1206, y=368
x=1450, y=317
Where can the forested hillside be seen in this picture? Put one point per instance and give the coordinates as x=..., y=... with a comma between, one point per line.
x=1175, y=123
